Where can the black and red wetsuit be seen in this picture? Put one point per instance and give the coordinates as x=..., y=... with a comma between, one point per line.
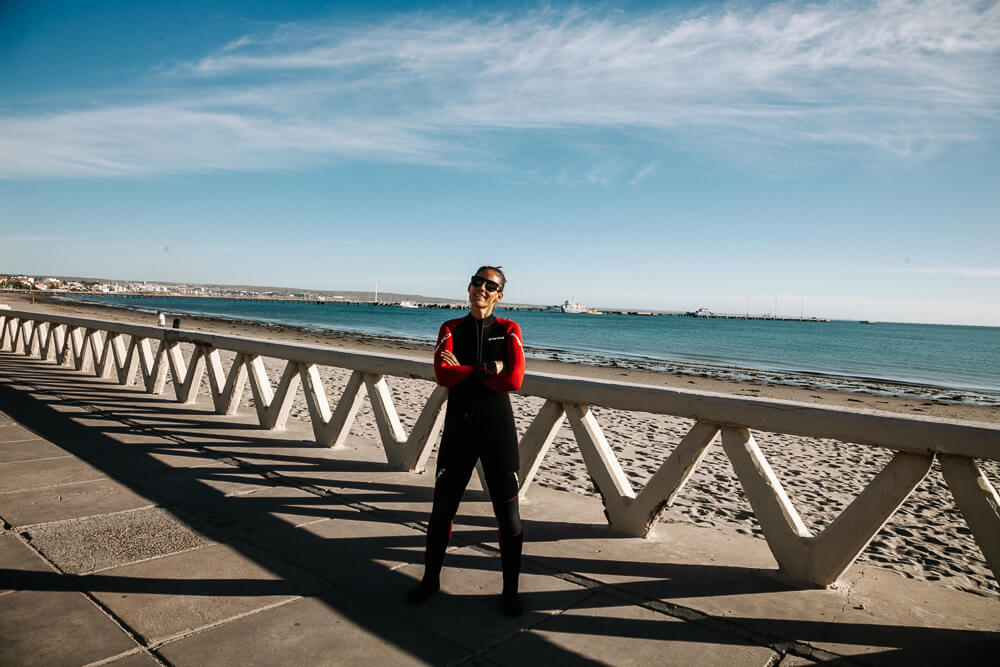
x=479, y=425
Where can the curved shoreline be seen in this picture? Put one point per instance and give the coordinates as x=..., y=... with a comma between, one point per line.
x=872, y=386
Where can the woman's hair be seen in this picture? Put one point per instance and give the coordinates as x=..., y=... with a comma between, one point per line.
x=497, y=270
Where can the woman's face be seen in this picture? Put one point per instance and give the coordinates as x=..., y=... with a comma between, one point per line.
x=480, y=297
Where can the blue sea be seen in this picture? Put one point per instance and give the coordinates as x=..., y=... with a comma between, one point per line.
x=955, y=363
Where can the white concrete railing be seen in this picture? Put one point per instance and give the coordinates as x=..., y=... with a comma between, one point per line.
x=125, y=352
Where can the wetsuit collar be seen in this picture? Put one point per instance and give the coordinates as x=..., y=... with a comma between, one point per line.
x=487, y=321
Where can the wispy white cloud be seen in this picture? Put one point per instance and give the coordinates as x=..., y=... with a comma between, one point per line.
x=962, y=272
x=896, y=77
x=187, y=137
x=37, y=238
x=603, y=173
x=644, y=172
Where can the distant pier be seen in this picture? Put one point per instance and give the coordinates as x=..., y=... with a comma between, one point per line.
x=451, y=305
x=773, y=318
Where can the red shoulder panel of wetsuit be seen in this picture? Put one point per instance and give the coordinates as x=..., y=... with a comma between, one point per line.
x=512, y=376
x=448, y=376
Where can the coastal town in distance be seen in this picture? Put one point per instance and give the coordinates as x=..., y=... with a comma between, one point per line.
x=99, y=286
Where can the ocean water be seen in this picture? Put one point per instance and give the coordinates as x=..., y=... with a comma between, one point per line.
x=957, y=362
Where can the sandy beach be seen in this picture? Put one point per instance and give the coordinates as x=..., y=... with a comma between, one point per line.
x=926, y=539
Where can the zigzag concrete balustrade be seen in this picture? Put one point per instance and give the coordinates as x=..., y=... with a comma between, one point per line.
x=125, y=352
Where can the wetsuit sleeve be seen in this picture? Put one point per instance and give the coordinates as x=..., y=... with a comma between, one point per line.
x=512, y=376
x=448, y=376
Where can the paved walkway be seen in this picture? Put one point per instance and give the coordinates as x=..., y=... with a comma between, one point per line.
x=138, y=531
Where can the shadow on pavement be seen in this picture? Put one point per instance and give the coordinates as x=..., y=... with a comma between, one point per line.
x=250, y=524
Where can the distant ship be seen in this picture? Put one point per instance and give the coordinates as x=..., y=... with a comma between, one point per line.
x=408, y=304
x=867, y=321
x=572, y=307
x=701, y=312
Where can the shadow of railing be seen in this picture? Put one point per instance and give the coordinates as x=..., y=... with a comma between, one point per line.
x=330, y=563
x=121, y=462
x=336, y=563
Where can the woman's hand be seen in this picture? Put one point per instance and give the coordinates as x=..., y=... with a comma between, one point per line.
x=449, y=358
x=499, y=366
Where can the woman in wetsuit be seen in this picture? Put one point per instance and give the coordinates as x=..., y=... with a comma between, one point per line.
x=479, y=358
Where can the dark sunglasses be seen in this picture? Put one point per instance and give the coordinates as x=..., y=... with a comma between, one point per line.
x=479, y=281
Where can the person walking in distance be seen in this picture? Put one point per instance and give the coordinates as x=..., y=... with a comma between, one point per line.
x=480, y=358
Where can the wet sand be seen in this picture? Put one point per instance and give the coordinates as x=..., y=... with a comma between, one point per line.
x=926, y=539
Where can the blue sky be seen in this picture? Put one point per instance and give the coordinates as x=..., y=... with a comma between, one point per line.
x=838, y=157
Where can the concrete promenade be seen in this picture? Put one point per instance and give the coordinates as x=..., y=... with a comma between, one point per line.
x=140, y=531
